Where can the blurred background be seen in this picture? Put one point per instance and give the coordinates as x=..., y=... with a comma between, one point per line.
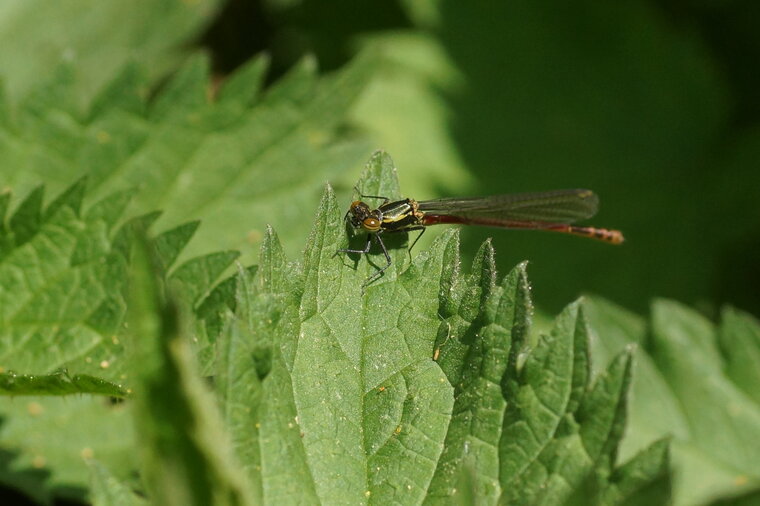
x=653, y=104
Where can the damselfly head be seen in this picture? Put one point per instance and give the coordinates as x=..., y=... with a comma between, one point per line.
x=357, y=213
x=360, y=215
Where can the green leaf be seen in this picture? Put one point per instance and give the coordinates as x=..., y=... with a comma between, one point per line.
x=61, y=309
x=107, y=490
x=126, y=93
x=406, y=106
x=61, y=298
x=55, y=280
x=244, y=87
x=537, y=394
x=49, y=439
x=26, y=220
x=615, y=330
x=154, y=30
x=694, y=377
x=489, y=320
x=245, y=356
x=421, y=387
x=645, y=479
x=62, y=332
x=558, y=428
x=238, y=162
x=62, y=279
x=394, y=392
x=317, y=408
x=603, y=412
x=169, y=244
x=739, y=341
x=193, y=278
x=212, y=312
x=185, y=458
x=723, y=441
x=59, y=383
x=746, y=499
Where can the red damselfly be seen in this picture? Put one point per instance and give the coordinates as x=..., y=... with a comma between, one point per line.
x=553, y=211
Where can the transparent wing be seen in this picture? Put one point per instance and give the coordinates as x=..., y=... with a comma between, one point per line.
x=559, y=206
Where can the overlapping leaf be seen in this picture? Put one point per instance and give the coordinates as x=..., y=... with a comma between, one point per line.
x=106, y=490
x=691, y=384
x=185, y=460
x=62, y=272
x=36, y=36
x=238, y=161
x=62, y=278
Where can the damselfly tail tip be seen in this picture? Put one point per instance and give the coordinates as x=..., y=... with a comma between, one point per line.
x=610, y=236
x=601, y=234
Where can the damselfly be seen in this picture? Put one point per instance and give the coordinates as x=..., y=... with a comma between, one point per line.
x=554, y=211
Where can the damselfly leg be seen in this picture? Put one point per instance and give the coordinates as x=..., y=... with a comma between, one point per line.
x=358, y=192
x=365, y=251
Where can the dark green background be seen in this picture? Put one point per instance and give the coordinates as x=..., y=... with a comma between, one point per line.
x=654, y=105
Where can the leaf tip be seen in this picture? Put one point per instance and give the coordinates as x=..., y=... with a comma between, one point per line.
x=71, y=197
x=307, y=65
x=379, y=176
x=381, y=159
x=328, y=194
x=522, y=268
x=487, y=249
x=484, y=263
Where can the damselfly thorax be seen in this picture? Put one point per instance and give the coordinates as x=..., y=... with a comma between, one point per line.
x=398, y=216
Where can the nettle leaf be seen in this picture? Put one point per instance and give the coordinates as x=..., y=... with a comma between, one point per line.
x=724, y=422
x=644, y=479
x=58, y=383
x=739, y=341
x=419, y=388
x=60, y=284
x=185, y=459
x=692, y=384
x=63, y=272
x=238, y=160
x=614, y=330
x=107, y=490
x=559, y=426
x=490, y=319
x=46, y=442
x=52, y=33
